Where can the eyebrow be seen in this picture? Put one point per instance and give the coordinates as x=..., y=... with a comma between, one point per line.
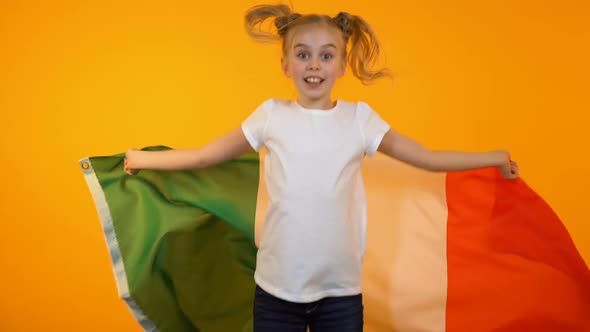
x=307, y=46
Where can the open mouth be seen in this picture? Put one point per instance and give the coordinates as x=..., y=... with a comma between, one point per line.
x=312, y=80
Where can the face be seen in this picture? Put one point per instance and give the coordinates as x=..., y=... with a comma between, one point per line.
x=314, y=61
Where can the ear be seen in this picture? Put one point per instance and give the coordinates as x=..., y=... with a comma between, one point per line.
x=342, y=68
x=285, y=66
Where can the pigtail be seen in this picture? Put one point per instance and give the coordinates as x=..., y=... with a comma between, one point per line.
x=257, y=16
x=284, y=22
x=364, y=50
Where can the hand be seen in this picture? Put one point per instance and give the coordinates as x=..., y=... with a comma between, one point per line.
x=509, y=169
x=129, y=162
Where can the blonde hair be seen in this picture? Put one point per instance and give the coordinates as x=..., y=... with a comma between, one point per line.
x=364, y=47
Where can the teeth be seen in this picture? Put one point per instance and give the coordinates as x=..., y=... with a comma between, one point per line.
x=313, y=80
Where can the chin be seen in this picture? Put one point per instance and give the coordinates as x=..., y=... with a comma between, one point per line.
x=314, y=97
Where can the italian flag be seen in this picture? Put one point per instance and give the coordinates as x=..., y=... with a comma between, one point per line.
x=462, y=251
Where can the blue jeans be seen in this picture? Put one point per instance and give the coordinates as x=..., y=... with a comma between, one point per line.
x=330, y=314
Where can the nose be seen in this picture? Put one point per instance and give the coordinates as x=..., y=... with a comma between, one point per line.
x=313, y=65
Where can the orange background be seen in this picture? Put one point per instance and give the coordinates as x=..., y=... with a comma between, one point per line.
x=86, y=78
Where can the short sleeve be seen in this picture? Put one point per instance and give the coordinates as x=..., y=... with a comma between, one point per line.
x=372, y=127
x=255, y=125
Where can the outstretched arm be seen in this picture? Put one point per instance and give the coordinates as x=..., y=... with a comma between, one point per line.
x=222, y=149
x=408, y=151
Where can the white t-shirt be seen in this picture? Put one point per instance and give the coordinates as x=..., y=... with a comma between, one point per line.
x=313, y=240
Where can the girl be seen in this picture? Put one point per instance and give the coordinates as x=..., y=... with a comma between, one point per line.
x=309, y=262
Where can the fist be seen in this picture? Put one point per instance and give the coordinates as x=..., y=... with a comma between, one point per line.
x=509, y=170
x=129, y=162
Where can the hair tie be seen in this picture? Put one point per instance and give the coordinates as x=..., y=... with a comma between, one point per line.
x=283, y=22
x=345, y=22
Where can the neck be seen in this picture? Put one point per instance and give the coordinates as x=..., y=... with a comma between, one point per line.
x=322, y=104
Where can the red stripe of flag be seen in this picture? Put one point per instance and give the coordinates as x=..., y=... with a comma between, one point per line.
x=512, y=265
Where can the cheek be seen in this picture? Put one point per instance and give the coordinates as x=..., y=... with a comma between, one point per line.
x=336, y=70
x=298, y=68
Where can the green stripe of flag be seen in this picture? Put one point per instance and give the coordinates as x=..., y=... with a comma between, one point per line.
x=181, y=242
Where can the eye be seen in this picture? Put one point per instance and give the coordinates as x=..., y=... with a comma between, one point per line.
x=303, y=55
x=327, y=56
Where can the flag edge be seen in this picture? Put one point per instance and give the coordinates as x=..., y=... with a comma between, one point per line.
x=112, y=243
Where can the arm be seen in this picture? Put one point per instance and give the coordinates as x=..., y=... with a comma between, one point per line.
x=222, y=149
x=408, y=151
